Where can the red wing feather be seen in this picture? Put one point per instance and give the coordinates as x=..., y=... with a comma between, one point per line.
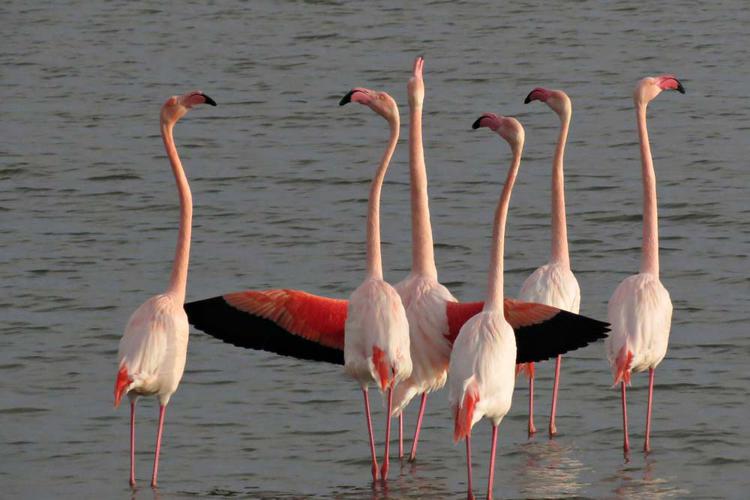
x=287, y=322
x=315, y=318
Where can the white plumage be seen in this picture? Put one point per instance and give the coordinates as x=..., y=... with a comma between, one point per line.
x=153, y=348
x=376, y=320
x=482, y=365
x=424, y=301
x=553, y=284
x=640, y=312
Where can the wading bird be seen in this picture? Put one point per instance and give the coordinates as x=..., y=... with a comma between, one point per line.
x=640, y=309
x=553, y=283
x=376, y=333
x=481, y=374
x=152, y=352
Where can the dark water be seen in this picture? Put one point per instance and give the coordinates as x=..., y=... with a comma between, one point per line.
x=279, y=175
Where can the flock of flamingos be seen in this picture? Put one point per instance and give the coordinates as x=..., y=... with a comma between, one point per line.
x=409, y=339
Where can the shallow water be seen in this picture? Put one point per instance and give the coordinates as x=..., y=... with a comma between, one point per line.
x=279, y=176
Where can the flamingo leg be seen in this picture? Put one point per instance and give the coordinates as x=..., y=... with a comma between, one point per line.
x=386, y=457
x=413, y=455
x=132, y=443
x=647, y=444
x=162, y=410
x=555, y=387
x=491, y=481
x=532, y=428
x=470, y=494
x=372, y=437
x=626, y=441
x=401, y=435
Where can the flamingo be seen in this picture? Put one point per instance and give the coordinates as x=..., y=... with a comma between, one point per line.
x=423, y=296
x=153, y=349
x=481, y=370
x=640, y=309
x=376, y=333
x=553, y=283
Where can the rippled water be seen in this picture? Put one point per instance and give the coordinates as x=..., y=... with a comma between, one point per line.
x=279, y=175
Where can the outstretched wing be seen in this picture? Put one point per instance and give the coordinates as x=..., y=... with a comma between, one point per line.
x=542, y=332
x=287, y=322
x=306, y=326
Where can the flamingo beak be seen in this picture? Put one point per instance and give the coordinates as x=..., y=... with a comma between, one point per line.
x=209, y=100
x=528, y=98
x=475, y=125
x=680, y=88
x=347, y=98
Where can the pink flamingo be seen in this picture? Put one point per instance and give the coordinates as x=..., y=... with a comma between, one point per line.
x=153, y=349
x=424, y=298
x=481, y=371
x=553, y=283
x=376, y=333
x=640, y=309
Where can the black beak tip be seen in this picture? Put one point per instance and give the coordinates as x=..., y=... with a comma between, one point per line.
x=680, y=88
x=475, y=125
x=347, y=98
x=528, y=98
x=209, y=100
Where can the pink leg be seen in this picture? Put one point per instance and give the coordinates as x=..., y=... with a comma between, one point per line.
x=372, y=437
x=386, y=458
x=413, y=455
x=626, y=441
x=647, y=444
x=132, y=443
x=401, y=435
x=491, y=482
x=470, y=494
x=162, y=410
x=532, y=428
x=555, y=387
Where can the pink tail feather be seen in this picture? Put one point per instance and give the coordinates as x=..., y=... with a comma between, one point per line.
x=121, y=384
x=527, y=368
x=623, y=365
x=464, y=415
x=380, y=361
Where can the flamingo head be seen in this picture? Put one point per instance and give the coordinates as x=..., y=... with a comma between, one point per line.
x=176, y=106
x=506, y=127
x=651, y=86
x=380, y=102
x=557, y=100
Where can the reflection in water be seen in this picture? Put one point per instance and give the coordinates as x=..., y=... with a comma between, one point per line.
x=634, y=481
x=549, y=470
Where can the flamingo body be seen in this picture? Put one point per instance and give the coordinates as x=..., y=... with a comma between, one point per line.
x=153, y=349
x=376, y=336
x=425, y=302
x=553, y=284
x=481, y=371
x=640, y=312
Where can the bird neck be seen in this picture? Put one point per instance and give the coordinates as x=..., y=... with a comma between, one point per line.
x=423, y=256
x=650, y=251
x=559, y=222
x=495, y=286
x=178, y=279
x=374, y=261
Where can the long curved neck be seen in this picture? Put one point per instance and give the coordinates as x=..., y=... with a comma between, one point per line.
x=178, y=279
x=422, y=253
x=559, y=222
x=650, y=252
x=495, y=287
x=374, y=261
